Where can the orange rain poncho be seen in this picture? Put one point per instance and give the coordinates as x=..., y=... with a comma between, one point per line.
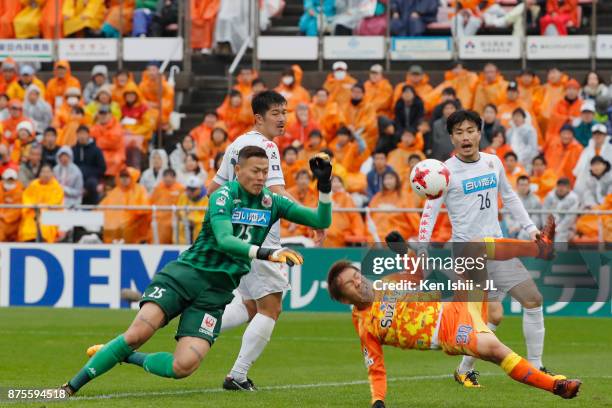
x=407, y=224
x=296, y=93
x=110, y=139
x=56, y=87
x=203, y=18
x=10, y=218
x=339, y=89
x=164, y=195
x=131, y=226
x=346, y=227
x=39, y=193
x=423, y=88
x=149, y=89
x=379, y=95
x=489, y=92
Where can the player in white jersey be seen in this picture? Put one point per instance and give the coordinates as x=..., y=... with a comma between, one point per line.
x=471, y=200
x=262, y=288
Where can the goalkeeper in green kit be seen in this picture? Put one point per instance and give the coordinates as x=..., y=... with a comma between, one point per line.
x=199, y=284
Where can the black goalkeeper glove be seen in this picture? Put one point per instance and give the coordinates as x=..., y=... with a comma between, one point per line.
x=378, y=404
x=281, y=255
x=396, y=243
x=320, y=165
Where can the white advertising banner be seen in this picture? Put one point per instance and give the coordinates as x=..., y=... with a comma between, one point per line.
x=484, y=47
x=153, y=48
x=286, y=48
x=27, y=50
x=421, y=48
x=354, y=48
x=603, y=47
x=87, y=49
x=566, y=47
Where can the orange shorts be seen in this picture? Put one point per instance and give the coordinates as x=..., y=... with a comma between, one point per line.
x=459, y=324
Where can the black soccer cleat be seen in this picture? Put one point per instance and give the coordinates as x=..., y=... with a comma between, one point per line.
x=553, y=375
x=230, y=384
x=567, y=389
x=69, y=392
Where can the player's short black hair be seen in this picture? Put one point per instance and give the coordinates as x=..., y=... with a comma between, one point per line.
x=564, y=181
x=82, y=128
x=510, y=154
x=522, y=177
x=169, y=172
x=50, y=129
x=336, y=269
x=539, y=157
x=264, y=101
x=251, y=151
x=289, y=149
x=457, y=118
x=519, y=111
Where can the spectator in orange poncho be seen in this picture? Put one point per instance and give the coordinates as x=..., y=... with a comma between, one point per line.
x=8, y=10
x=72, y=99
x=43, y=190
x=543, y=180
x=563, y=153
x=512, y=103
x=565, y=111
x=9, y=74
x=112, y=25
x=201, y=133
x=461, y=80
x=237, y=115
x=203, y=18
x=120, y=82
x=166, y=193
x=498, y=144
x=549, y=94
x=305, y=194
x=131, y=226
x=361, y=118
x=560, y=14
x=149, y=89
x=296, y=133
x=208, y=151
x=326, y=113
x=9, y=126
x=11, y=192
x=136, y=118
x=17, y=89
x=379, y=92
x=491, y=88
x=529, y=87
x=83, y=15
x=51, y=22
x=244, y=83
x=339, y=84
x=25, y=139
x=587, y=226
x=410, y=143
x=68, y=134
x=346, y=227
x=314, y=145
x=291, y=165
x=108, y=134
x=61, y=81
x=419, y=81
x=513, y=169
x=350, y=152
x=290, y=86
x=392, y=196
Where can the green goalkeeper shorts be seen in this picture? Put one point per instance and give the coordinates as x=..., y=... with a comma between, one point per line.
x=199, y=297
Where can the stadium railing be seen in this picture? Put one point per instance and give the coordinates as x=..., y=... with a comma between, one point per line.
x=176, y=220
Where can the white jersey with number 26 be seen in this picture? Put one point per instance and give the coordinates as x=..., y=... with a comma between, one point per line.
x=471, y=201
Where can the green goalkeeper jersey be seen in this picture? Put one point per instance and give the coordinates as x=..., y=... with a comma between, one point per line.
x=236, y=220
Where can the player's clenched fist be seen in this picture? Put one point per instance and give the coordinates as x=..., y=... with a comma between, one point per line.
x=320, y=165
x=281, y=255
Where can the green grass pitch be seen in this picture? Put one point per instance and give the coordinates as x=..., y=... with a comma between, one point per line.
x=313, y=360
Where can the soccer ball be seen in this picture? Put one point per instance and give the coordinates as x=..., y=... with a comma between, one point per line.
x=429, y=178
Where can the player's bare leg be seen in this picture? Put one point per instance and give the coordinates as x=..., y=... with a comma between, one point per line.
x=255, y=338
x=149, y=318
x=491, y=349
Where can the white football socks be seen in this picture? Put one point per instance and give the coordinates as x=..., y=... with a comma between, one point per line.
x=468, y=362
x=255, y=338
x=533, y=330
x=234, y=315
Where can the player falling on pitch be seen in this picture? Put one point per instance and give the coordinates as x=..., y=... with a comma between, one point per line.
x=199, y=284
x=477, y=180
x=457, y=327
